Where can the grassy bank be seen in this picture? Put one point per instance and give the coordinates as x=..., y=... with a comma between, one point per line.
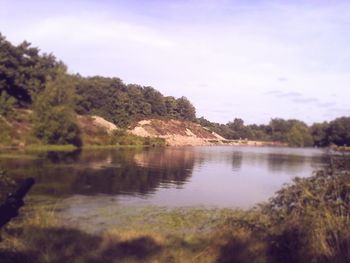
x=306, y=221
x=340, y=148
x=63, y=148
x=16, y=131
x=50, y=147
x=124, y=141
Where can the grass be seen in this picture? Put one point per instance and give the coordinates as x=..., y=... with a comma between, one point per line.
x=50, y=147
x=154, y=235
x=69, y=148
x=16, y=155
x=341, y=148
x=119, y=139
x=122, y=139
x=115, y=146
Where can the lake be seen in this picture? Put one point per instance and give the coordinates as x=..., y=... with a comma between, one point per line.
x=211, y=176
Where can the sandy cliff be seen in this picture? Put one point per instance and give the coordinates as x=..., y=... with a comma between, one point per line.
x=176, y=132
x=96, y=130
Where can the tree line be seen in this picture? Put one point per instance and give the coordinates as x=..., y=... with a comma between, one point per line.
x=293, y=132
x=40, y=82
x=25, y=73
x=29, y=79
x=123, y=104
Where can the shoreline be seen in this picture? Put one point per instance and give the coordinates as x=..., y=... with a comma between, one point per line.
x=69, y=147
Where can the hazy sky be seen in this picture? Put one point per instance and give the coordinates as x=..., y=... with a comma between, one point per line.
x=250, y=59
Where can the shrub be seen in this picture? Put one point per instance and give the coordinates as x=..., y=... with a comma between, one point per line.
x=54, y=120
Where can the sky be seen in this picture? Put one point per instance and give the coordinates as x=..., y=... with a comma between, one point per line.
x=254, y=60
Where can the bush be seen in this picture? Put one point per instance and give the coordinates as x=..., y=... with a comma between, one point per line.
x=122, y=137
x=54, y=120
x=307, y=221
x=6, y=104
x=57, y=126
x=311, y=219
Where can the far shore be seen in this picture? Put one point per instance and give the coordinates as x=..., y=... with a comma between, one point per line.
x=69, y=147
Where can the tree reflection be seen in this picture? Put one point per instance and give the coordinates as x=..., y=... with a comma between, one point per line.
x=59, y=157
x=143, y=172
x=112, y=172
x=237, y=158
x=279, y=163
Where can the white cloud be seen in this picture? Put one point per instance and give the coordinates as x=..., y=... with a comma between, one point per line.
x=88, y=29
x=221, y=55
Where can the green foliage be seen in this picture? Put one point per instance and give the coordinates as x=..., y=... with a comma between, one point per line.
x=54, y=120
x=319, y=134
x=122, y=104
x=51, y=147
x=171, y=106
x=121, y=137
x=156, y=100
x=57, y=126
x=338, y=131
x=295, y=137
x=299, y=136
x=312, y=215
x=6, y=104
x=238, y=130
x=25, y=74
x=23, y=71
x=294, y=132
x=6, y=133
x=306, y=221
x=154, y=142
x=221, y=129
x=185, y=109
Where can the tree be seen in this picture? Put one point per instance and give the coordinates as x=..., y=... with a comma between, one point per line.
x=299, y=136
x=156, y=100
x=23, y=71
x=279, y=129
x=237, y=129
x=122, y=104
x=171, y=107
x=185, y=109
x=339, y=131
x=237, y=124
x=138, y=106
x=319, y=134
x=54, y=120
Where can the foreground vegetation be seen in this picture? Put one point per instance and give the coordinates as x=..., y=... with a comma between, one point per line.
x=306, y=221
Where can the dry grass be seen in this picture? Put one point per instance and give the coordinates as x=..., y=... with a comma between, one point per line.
x=41, y=237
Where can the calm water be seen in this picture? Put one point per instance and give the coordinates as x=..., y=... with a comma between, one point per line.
x=210, y=176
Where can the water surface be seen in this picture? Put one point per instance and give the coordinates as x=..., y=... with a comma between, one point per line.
x=227, y=176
